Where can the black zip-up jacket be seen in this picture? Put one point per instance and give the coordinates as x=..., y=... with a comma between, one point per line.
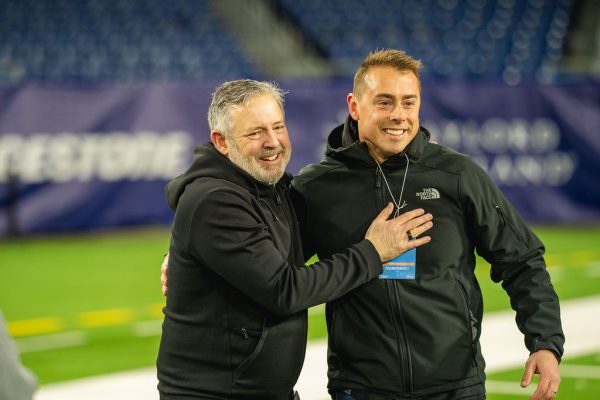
x=235, y=320
x=417, y=337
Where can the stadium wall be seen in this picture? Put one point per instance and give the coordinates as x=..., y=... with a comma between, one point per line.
x=82, y=158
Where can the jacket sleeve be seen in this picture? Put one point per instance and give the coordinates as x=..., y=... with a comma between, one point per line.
x=299, y=202
x=516, y=256
x=229, y=237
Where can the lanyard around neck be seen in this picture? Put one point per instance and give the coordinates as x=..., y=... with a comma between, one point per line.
x=399, y=204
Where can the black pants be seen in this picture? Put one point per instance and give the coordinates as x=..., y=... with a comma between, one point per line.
x=476, y=392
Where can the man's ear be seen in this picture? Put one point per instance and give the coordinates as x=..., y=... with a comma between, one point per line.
x=352, y=106
x=220, y=142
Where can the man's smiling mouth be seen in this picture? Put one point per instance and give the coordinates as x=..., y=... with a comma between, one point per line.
x=395, y=132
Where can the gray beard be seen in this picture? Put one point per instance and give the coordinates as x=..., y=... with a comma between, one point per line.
x=270, y=177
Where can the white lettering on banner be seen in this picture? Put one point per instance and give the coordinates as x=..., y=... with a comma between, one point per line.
x=514, y=152
x=111, y=156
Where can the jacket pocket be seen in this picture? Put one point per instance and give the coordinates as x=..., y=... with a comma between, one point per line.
x=511, y=226
x=251, y=336
x=273, y=366
x=469, y=317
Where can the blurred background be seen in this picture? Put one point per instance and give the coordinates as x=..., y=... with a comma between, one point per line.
x=102, y=102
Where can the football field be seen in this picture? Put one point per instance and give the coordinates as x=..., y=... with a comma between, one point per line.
x=87, y=305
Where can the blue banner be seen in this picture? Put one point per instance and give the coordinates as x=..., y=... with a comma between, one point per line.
x=80, y=158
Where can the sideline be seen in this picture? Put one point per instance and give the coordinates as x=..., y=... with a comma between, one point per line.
x=501, y=342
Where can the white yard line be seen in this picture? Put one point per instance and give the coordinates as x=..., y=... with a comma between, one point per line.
x=51, y=341
x=501, y=342
x=580, y=371
x=501, y=387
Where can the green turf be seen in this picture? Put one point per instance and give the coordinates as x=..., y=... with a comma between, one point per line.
x=64, y=276
x=108, y=350
x=60, y=276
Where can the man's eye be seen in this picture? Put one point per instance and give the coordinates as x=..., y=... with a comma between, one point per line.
x=279, y=127
x=383, y=103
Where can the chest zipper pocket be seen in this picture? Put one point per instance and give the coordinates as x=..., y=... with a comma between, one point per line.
x=507, y=222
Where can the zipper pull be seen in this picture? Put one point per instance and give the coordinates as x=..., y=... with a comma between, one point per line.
x=245, y=333
x=500, y=213
x=377, y=178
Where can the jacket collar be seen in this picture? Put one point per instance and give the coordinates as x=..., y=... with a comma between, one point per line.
x=343, y=144
x=208, y=162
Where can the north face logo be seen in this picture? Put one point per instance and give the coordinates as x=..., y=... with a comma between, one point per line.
x=428, y=194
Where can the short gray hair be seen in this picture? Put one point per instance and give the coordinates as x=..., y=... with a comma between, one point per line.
x=238, y=92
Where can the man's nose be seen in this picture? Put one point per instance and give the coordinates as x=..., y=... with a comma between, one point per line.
x=271, y=139
x=398, y=113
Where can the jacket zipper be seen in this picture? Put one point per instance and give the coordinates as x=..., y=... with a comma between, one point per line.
x=401, y=342
x=397, y=318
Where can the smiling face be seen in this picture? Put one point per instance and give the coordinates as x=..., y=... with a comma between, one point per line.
x=258, y=141
x=386, y=106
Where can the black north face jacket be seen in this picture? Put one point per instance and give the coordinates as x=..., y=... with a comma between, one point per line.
x=235, y=319
x=417, y=337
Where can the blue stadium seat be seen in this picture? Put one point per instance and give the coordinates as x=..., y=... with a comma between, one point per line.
x=116, y=40
x=473, y=39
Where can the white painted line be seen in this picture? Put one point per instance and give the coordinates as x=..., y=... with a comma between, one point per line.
x=580, y=371
x=132, y=385
x=500, y=387
x=502, y=345
x=593, y=269
x=147, y=328
x=51, y=341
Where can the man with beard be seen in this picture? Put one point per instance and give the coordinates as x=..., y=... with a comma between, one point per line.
x=235, y=321
x=416, y=336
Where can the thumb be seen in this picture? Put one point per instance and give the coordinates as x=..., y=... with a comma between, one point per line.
x=386, y=212
x=527, y=375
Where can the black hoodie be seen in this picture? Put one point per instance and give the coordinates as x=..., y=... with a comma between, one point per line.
x=235, y=320
x=406, y=338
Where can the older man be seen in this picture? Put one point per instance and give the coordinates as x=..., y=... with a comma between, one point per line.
x=235, y=319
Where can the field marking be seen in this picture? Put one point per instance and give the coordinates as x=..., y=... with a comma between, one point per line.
x=35, y=326
x=51, y=342
x=580, y=371
x=147, y=328
x=114, y=316
x=583, y=335
x=593, y=269
x=510, y=388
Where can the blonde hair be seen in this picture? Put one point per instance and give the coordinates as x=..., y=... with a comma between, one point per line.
x=396, y=59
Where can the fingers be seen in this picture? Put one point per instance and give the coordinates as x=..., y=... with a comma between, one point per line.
x=418, y=242
x=527, y=375
x=164, y=274
x=544, y=363
x=385, y=213
x=542, y=392
x=419, y=225
x=409, y=215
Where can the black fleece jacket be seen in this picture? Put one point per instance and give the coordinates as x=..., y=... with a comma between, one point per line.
x=235, y=319
x=405, y=338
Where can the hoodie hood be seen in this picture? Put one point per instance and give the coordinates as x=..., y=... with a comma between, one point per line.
x=343, y=144
x=209, y=163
